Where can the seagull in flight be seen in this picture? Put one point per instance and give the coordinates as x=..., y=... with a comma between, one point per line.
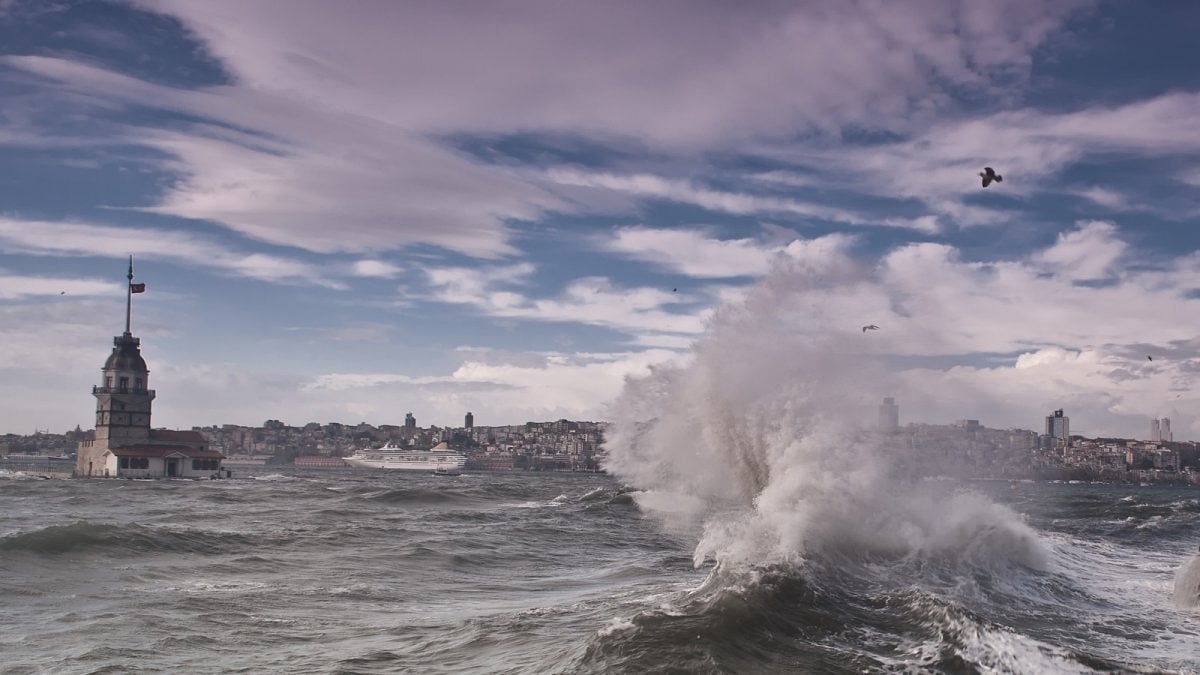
x=989, y=175
x=871, y=327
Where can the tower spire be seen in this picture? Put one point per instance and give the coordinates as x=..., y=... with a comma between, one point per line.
x=129, y=296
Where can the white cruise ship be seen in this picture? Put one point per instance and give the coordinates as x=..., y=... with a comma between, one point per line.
x=440, y=459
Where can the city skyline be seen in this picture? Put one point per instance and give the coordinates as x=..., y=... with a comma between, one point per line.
x=348, y=214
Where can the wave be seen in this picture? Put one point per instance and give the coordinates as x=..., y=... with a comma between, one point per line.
x=757, y=449
x=1186, y=592
x=809, y=619
x=825, y=554
x=83, y=536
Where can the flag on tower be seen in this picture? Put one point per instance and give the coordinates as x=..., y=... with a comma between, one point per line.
x=137, y=288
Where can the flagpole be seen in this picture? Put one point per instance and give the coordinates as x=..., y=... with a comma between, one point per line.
x=129, y=296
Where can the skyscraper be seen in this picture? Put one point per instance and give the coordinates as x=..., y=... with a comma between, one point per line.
x=889, y=415
x=469, y=421
x=1160, y=430
x=1058, y=425
x=410, y=422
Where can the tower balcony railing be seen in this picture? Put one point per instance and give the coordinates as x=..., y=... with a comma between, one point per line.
x=121, y=390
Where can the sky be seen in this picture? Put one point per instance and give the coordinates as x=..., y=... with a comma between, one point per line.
x=348, y=211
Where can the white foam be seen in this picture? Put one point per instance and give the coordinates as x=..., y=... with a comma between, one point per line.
x=757, y=444
x=1187, y=584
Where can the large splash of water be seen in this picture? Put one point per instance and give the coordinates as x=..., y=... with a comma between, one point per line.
x=762, y=446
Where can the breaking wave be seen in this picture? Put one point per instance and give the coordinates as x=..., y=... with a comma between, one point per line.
x=758, y=448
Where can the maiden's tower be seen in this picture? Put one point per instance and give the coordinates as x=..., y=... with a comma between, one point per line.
x=124, y=445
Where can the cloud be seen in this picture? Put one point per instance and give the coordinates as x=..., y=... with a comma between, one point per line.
x=692, y=253
x=523, y=386
x=1089, y=252
x=375, y=268
x=730, y=70
x=321, y=143
x=646, y=185
x=591, y=301
x=82, y=239
x=1030, y=148
x=14, y=287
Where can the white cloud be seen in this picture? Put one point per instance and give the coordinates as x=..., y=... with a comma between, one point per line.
x=521, y=386
x=343, y=113
x=691, y=252
x=81, y=239
x=14, y=287
x=593, y=301
x=1090, y=252
x=375, y=268
x=646, y=185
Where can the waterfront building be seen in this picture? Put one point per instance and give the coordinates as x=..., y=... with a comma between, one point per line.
x=124, y=445
x=889, y=415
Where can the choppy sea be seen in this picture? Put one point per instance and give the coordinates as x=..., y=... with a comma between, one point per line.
x=349, y=571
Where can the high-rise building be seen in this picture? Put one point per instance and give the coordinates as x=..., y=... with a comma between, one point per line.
x=1160, y=430
x=889, y=415
x=469, y=421
x=1058, y=425
x=410, y=422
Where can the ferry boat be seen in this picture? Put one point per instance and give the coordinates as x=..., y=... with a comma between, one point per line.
x=440, y=458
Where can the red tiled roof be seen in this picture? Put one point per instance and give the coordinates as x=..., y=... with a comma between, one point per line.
x=165, y=451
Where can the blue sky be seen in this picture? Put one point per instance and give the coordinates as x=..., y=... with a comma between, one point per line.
x=349, y=211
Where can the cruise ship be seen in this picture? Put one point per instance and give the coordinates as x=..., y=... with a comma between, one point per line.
x=439, y=459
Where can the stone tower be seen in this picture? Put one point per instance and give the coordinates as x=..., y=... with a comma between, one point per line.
x=123, y=399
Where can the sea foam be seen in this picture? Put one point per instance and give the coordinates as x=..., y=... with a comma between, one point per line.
x=762, y=446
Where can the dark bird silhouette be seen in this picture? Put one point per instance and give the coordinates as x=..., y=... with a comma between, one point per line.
x=871, y=327
x=990, y=175
x=1149, y=358
x=673, y=290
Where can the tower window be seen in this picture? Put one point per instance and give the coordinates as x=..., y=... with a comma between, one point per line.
x=137, y=384
x=123, y=383
x=108, y=382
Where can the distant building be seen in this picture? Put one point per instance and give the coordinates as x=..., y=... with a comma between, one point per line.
x=1058, y=425
x=889, y=415
x=124, y=445
x=469, y=421
x=1160, y=430
x=410, y=422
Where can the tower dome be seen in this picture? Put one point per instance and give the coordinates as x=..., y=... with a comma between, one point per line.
x=126, y=356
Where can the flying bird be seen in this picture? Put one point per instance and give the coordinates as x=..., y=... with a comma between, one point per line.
x=989, y=175
x=871, y=327
x=1149, y=358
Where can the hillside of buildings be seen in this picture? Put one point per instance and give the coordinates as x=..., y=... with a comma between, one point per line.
x=965, y=449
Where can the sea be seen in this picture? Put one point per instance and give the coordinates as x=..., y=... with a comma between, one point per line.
x=374, y=571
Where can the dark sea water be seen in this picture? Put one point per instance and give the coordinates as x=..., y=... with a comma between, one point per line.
x=381, y=572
